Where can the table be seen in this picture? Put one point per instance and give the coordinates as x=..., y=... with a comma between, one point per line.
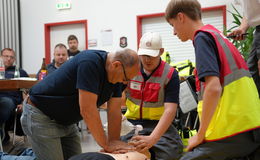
x=16, y=84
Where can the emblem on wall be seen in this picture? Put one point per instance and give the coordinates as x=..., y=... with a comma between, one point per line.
x=123, y=42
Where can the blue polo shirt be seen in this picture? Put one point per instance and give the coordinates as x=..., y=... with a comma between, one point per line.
x=57, y=94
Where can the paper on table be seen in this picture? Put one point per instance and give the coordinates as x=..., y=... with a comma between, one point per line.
x=25, y=78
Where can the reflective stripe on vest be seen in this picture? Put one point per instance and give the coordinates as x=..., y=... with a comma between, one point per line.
x=145, y=100
x=238, y=109
x=184, y=68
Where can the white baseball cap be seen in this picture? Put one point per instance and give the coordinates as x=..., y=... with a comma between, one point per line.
x=150, y=44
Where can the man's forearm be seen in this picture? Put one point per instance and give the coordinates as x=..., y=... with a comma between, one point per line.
x=244, y=25
x=92, y=119
x=165, y=121
x=114, y=119
x=90, y=114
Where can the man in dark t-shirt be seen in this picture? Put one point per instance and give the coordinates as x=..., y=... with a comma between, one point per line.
x=73, y=44
x=56, y=103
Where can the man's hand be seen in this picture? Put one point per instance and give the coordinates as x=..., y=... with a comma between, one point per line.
x=238, y=33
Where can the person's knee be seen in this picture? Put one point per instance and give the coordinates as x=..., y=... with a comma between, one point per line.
x=6, y=102
x=6, y=107
x=162, y=155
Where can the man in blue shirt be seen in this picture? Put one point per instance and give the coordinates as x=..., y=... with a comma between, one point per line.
x=60, y=57
x=9, y=100
x=56, y=103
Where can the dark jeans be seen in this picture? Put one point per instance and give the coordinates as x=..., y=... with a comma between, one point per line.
x=253, y=58
x=7, y=106
x=169, y=147
x=233, y=148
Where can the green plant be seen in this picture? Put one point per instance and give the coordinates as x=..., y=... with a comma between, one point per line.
x=243, y=46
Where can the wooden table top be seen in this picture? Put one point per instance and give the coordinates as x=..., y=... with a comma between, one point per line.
x=16, y=84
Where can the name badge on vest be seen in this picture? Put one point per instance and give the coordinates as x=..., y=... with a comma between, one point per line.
x=135, y=85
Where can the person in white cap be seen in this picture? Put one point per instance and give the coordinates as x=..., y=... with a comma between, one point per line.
x=151, y=99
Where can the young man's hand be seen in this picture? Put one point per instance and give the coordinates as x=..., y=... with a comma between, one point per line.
x=142, y=143
x=195, y=141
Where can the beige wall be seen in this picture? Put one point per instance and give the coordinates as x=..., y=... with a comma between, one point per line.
x=118, y=15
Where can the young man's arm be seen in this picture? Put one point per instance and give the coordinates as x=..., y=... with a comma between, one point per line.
x=211, y=98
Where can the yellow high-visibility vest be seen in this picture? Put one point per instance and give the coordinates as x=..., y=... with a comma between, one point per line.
x=238, y=109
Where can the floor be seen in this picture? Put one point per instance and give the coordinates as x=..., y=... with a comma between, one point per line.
x=87, y=141
x=88, y=144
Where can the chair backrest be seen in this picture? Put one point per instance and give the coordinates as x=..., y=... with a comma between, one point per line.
x=188, y=98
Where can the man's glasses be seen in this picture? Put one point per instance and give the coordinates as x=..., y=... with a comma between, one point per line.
x=125, y=79
x=6, y=56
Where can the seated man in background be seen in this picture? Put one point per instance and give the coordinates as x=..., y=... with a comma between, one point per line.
x=9, y=100
x=60, y=57
x=152, y=99
x=73, y=44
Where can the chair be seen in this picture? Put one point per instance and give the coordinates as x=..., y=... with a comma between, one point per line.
x=15, y=126
x=15, y=118
x=188, y=98
x=1, y=146
x=11, y=125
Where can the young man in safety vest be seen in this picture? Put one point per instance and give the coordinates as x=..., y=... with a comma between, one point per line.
x=152, y=99
x=229, y=107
